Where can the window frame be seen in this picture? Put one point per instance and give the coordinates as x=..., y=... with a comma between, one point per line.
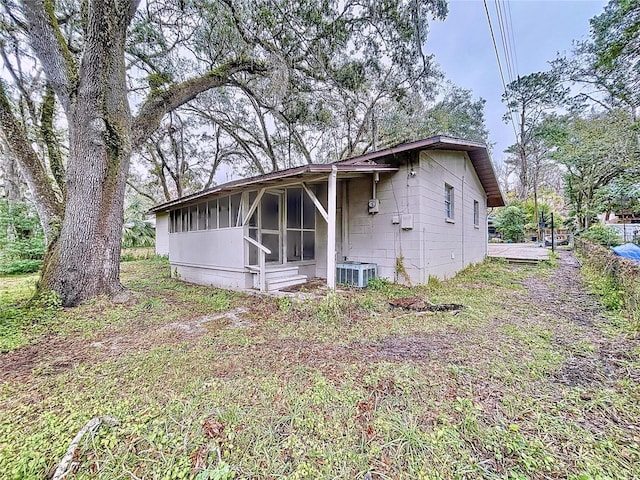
x=449, y=202
x=300, y=229
x=476, y=213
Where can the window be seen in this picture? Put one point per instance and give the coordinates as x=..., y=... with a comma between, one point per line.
x=448, y=201
x=476, y=213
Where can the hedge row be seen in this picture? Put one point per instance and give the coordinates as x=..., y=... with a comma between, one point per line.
x=624, y=273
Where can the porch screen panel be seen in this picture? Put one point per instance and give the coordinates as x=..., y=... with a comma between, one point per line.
x=270, y=212
x=236, y=202
x=223, y=212
x=253, y=251
x=177, y=218
x=212, y=221
x=272, y=242
x=308, y=213
x=308, y=245
x=193, y=217
x=202, y=216
x=253, y=229
x=253, y=221
x=301, y=225
x=294, y=245
x=185, y=219
x=294, y=207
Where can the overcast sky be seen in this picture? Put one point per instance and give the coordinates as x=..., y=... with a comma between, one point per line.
x=541, y=29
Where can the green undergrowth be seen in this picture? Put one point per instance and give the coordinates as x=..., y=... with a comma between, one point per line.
x=23, y=320
x=209, y=384
x=610, y=293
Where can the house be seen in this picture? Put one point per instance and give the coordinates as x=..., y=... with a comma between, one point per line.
x=414, y=211
x=625, y=224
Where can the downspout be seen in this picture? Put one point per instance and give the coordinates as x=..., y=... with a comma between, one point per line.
x=331, y=228
x=345, y=219
x=464, y=247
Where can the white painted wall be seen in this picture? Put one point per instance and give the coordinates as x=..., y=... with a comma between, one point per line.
x=374, y=238
x=210, y=257
x=162, y=233
x=451, y=246
x=433, y=247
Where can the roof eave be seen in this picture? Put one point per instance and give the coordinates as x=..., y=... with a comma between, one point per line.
x=301, y=172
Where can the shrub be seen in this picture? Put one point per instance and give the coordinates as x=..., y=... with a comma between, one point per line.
x=510, y=222
x=18, y=267
x=615, y=279
x=22, y=240
x=602, y=235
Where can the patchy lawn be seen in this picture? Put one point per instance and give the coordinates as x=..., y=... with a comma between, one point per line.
x=529, y=380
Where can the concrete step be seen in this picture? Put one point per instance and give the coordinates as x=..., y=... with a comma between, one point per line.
x=274, y=274
x=526, y=261
x=279, y=271
x=283, y=282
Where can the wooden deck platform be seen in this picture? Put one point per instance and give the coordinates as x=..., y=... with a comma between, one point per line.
x=518, y=252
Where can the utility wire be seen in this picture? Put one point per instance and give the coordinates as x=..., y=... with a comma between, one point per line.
x=512, y=39
x=503, y=35
x=495, y=48
x=507, y=50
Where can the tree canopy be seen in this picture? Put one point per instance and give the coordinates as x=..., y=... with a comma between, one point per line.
x=91, y=83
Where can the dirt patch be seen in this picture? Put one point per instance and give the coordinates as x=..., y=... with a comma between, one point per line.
x=421, y=305
x=50, y=356
x=416, y=347
x=53, y=354
x=582, y=372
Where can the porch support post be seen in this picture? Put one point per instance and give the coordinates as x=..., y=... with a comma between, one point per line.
x=316, y=202
x=331, y=228
x=253, y=207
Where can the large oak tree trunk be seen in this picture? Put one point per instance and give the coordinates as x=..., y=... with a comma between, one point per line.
x=83, y=257
x=85, y=260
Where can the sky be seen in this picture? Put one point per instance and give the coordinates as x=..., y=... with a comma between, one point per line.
x=541, y=30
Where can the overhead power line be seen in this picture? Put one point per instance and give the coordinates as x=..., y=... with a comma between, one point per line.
x=495, y=48
x=506, y=51
x=514, y=50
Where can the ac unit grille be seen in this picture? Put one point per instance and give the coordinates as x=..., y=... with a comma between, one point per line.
x=355, y=274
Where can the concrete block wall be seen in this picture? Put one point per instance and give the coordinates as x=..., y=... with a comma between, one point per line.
x=375, y=238
x=434, y=246
x=451, y=245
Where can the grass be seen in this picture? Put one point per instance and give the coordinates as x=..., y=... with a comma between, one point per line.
x=334, y=387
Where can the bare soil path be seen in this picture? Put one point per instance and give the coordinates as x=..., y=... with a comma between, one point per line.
x=565, y=296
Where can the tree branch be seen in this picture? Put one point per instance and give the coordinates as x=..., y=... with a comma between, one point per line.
x=48, y=205
x=50, y=139
x=141, y=192
x=50, y=48
x=161, y=103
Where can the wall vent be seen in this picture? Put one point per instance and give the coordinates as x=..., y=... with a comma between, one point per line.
x=355, y=274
